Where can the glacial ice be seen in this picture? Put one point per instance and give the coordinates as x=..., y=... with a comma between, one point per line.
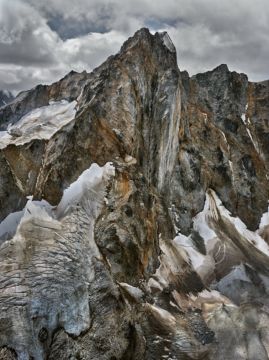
x=264, y=219
x=10, y=224
x=182, y=248
x=213, y=204
x=52, y=260
x=40, y=123
x=214, y=209
x=88, y=181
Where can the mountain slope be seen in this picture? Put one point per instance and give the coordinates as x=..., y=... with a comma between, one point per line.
x=5, y=97
x=159, y=251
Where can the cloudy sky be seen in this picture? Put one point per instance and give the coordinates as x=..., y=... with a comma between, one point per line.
x=42, y=40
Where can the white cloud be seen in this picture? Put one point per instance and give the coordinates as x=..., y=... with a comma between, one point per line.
x=40, y=40
x=90, y=50
x=32, y=53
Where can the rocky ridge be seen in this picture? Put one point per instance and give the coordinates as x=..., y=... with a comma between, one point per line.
x=5, y=97
x=161, y=250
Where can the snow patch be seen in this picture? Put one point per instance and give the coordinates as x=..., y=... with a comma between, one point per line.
x=39, y=209
x=88, y=181
x=217, y=209
x=2, y=134
x=245, y=118
x=9, y=225
x=40, y=123
x=237, y=273
x=196, y=258
x=200, y=222
x=264, y=220
x=175, y=217
x=6, y=92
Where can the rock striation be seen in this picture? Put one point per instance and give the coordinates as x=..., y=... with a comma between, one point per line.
x=134, y=213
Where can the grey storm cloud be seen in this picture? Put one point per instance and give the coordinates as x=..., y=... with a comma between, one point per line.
x=41, y=40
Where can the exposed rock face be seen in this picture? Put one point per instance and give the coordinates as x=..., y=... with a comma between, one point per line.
x=161, y=250
x=5, y=97
x=67, y=88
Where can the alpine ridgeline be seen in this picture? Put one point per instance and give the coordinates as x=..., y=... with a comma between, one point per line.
x=134, y=213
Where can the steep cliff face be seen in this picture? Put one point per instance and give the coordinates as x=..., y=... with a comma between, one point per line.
x=133, y=213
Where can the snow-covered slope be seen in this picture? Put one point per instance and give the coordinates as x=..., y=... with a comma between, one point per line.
x=41, y=123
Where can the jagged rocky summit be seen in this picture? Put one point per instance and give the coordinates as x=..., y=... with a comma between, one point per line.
x=134, y=213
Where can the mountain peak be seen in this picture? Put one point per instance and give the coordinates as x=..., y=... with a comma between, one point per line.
x=158, y=46
x=221, y=68
x=167, y=41
x=149, y=189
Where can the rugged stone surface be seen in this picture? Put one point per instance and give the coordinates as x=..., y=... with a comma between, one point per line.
x=67, y=88
x=5, y=97
x=161, y=254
